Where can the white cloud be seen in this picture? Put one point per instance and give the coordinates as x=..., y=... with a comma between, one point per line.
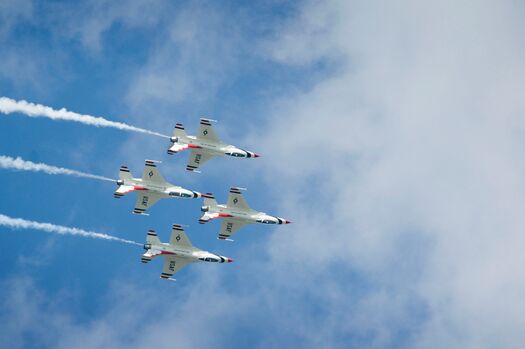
x=412, y=146
x=88, y=21
x=198, y=53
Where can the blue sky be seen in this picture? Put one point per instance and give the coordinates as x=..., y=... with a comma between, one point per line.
x=390, y=134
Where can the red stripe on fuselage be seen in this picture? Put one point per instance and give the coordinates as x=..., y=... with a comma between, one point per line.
x=166, y=252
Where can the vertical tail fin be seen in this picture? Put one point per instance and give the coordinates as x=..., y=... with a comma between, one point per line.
x=124, y=173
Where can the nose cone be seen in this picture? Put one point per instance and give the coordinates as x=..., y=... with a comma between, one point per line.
x=229, y=260
x=251, y=154
x=283, y=221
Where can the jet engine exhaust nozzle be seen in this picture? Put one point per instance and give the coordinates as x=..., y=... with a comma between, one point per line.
x=205, y=208
x=174, y=139
x=120, y=182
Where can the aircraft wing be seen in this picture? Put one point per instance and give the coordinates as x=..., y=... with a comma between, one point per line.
x=197, y=158
x=145, y=199
x=151, y=174
x=171, y=266
x=179, y=237
x=236, y=200
x=229, y=227
x=206, y=131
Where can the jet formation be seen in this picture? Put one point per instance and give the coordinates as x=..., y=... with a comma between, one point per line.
x=152, y=187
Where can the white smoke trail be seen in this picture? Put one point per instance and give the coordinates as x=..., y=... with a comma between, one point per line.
x=8, y=105
x=8, y=162
x=18, y=223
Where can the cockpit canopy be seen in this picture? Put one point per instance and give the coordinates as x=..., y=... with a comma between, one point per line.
x=266, y=221
x=236, y=154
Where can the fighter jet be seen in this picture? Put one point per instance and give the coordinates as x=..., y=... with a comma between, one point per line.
x=235, y=214
x=150, y=188
x=204, y=146
x=177, y=253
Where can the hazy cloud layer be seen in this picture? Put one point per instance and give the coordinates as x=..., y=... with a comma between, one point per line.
x=192, y=58
x=414, y=149
x=89, y=21
x=402, y=172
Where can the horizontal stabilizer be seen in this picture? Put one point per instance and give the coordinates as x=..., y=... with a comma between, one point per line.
x=177, y=147
x=123, y=190
x=178, y=140
x=179, y=132
x=209, y=200
x=124, y=173
x=152, y=237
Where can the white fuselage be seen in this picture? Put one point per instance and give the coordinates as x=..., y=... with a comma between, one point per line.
x=189, y=254
x=212, y=147
x=249, y=216
x=165, y=190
